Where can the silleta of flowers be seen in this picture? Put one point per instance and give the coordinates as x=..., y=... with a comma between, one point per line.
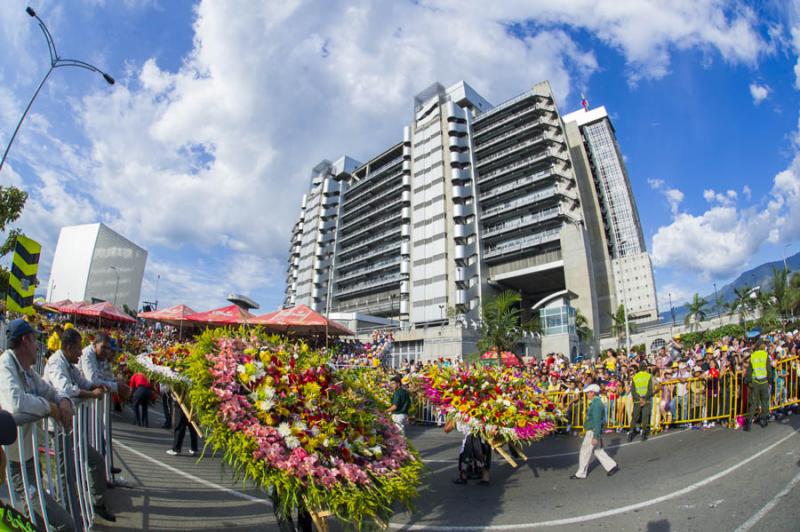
x=288, y=420
x=496, y=404
x=165, y=366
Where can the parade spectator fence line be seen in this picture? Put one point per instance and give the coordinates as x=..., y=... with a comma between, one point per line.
x=60, y=463
x=698, y=400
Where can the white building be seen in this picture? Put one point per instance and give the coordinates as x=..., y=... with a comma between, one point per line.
x=92, y=262
x=634, y=282
x=473, y=200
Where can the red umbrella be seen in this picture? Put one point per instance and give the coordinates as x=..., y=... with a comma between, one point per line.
x=73, y=308
x=506, y=357
x=230, y=315
x=57, y=305
x=172, y=314
x=105, y=310
x=301, y=319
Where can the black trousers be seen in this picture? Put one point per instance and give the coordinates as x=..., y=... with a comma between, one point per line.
x=141, y=400
x=180, y=433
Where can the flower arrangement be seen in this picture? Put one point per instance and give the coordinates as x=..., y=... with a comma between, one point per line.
x=496, y=404
x=289, y=421
x=166, y=366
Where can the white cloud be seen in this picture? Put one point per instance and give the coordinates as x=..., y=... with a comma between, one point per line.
x=722, y=240
x=727, y=198
x=747, y=193
x=216, y=154
x=759, y=92
x=673, y=196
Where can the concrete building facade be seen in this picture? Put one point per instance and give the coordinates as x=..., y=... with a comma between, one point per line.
x=472, y=201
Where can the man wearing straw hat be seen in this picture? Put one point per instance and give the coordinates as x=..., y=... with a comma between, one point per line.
x=592, y=441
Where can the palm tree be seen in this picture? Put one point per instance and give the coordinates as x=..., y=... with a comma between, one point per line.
x=618, y=325
x=793, y=295
x=582, y=327
x=742, y=303
x=697, y=311
x=500, y=325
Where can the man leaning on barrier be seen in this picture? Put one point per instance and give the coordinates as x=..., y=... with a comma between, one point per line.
x=23, y=392
x=62, y=374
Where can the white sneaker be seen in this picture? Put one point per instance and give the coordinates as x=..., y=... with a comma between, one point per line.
x=192, y=453
x=172, y=452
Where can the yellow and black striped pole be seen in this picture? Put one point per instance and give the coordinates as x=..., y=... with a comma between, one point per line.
x=22, y=281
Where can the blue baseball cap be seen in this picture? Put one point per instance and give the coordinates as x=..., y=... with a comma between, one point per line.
x=19, y=328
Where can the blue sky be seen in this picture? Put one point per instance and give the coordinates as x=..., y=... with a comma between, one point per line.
x=202, y=149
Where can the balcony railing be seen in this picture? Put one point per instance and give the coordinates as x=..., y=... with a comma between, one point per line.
x=524, y=200
x=511, y=225
x=371, y=268
x=482, y=161
x=516, y=165
x=518, y=244
x=395, y=246
x=509, y=118
x=389, y=279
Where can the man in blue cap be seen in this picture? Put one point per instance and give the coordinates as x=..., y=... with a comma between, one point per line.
x=24, y=393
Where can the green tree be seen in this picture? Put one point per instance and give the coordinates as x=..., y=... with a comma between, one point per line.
x=12, y=201
x=793, y=295
x=742, y=303
x=697, y=312
x=500, y=324
x=618, y=325
x=582, y=327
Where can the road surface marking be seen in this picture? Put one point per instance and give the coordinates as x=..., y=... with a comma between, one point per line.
x=599, y=515
x=193, y=478
x=750, y=523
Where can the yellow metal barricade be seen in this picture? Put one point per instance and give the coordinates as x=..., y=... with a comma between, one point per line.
x=784, y=390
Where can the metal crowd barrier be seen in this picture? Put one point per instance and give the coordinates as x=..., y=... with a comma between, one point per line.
x=48, y=466
x=678, y=402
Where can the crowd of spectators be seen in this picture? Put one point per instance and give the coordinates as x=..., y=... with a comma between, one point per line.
x=353, y=352
x=692, y=382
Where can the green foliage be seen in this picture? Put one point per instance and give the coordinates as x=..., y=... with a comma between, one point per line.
x=500, y=323
x=712, y=335
x=618, y=325
x=696, y=311
x=12, y=201
x=582, y=327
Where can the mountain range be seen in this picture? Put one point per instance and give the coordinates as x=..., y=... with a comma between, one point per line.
x=759, y=276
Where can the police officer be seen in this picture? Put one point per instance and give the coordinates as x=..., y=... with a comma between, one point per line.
x=758, y=377
x=642, y=402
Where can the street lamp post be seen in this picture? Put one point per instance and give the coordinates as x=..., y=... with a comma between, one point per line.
x=158, y=278
x=116, y=287
x=716, y=304
x=56, y=61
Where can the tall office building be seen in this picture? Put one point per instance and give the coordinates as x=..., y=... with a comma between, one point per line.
x=94, y=263
x=472, y=201
x=633, y=271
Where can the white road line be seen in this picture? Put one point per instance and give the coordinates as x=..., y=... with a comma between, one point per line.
x=750, y=523
x=572, y=453
x=599, y=515
x=191, y=477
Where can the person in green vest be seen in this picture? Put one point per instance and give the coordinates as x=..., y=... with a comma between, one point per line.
x=757, y=378
x=642, y=402
x=593, y=439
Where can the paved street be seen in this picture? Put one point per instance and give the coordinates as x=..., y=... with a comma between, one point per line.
x=715, y=479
